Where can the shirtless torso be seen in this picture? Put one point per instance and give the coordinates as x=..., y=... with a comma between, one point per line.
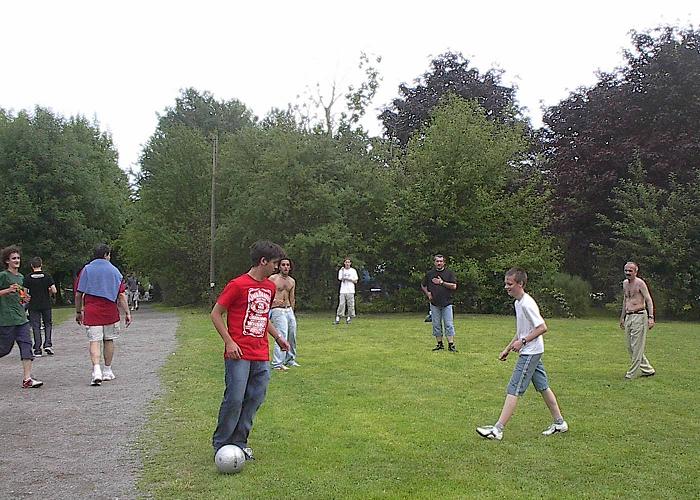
x=285, y=290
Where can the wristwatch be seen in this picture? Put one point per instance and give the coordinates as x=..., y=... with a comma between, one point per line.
x=523, y=340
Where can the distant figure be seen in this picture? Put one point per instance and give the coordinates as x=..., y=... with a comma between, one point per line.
x=100, y=295
x=132, y=291
x=439, y=285
x=245, y=304
x=347, y=276
x=41, y=288
x=282, y=316
x=637, y=318
x=528, y=342
x=14, y=327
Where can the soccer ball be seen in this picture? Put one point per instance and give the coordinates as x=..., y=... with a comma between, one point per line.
x=230, y=459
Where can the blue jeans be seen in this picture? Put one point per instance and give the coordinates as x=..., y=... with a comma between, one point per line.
x=246, y=385
x=443, y=316
x=35, y=318
x=286, y=323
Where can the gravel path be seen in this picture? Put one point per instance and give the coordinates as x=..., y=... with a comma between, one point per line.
x=68, y=439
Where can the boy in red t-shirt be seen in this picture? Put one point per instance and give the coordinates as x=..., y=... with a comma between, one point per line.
x=246, y=302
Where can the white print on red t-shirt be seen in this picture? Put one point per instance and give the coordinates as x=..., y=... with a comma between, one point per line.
x=255, y=321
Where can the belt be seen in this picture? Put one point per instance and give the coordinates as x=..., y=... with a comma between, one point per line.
x=641, y=311
x=281, y=307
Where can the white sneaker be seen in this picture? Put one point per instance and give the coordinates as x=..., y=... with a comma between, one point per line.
x=293, y=363
x=490, y=432
x=337, y=320
x=108, y=374
x=96, y=376
x=554, y=428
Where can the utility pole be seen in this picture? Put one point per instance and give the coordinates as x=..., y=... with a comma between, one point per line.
x=214, y=154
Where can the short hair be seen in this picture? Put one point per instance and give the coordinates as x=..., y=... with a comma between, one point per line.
x=101, y=251
x=7, y=251
x=291, y=264
x=438, y=256
x=35, y=262
x=518, y=274
x=265, y=249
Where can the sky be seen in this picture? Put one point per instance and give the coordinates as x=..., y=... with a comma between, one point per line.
x=124, y=62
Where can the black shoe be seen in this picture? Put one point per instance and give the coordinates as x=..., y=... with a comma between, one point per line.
x=428, y=319
x=439, y=347
x=451, y=348
x=37, y=354
x=49, y=351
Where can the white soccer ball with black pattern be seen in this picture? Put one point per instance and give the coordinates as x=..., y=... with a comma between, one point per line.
x=230, y=459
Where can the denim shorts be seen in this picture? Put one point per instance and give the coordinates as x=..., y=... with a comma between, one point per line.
x=20, y=334
x=529, y=367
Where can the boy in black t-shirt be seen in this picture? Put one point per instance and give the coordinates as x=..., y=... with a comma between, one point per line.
x=41, y=288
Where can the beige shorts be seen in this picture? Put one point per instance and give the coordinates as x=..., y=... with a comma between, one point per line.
x=106, y=332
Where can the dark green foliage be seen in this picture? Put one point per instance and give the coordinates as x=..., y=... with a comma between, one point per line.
x=62, y=190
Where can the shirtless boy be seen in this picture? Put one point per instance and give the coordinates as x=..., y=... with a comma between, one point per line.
x=636, y=318
x=282, y=316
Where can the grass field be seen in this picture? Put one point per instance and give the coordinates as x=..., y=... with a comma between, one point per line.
x=373, y=413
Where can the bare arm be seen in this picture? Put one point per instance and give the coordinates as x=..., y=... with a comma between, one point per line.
x=275, y=334
x=292, y=295
x=649, y=303
x=232, y=350
x=79, y=307
x=123, y=304
x=624, y=304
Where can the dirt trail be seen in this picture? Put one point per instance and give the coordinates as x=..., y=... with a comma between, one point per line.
x=68, y=439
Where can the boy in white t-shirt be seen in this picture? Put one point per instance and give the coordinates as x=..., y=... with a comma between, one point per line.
x=347, y=275
x=528, y=341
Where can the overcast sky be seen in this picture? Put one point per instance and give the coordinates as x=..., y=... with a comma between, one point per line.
x=124, y=61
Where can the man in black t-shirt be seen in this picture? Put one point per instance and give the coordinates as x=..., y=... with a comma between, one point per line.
x=439, y=285
x=41, y=287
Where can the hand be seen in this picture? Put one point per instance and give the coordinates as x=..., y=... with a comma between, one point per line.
x=651, y=323
x=79, y=317
x=437, y=280
x=233, y=351
x=127, y=320
x=622, y=324
x=504, y=354
x=430, y=297
x=517, y=345
x=284, y=345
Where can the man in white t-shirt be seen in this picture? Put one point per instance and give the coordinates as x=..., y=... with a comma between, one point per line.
x=528, y=342
x=347, y=277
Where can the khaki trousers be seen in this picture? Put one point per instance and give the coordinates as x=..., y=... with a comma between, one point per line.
x=636, y=328
x=346, y=299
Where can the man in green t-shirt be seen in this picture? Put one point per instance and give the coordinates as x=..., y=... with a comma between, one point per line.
x=14, y=326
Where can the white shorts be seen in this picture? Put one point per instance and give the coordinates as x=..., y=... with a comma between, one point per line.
x=106, y=332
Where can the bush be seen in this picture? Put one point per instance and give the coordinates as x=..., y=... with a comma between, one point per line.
x=563, y=295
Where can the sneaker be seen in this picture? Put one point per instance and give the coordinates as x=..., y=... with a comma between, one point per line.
x=30, y=383
x=337, y=320
x=451, y=348
x=108, y=375
x=293, y=363
x=648, y=374
x=49, y=351
x=248, y=453
x=439, y=347
x=490, y=432
x=428, y=318
x=554, y=428
x=281, y=368
x=348, y=320
x=96, y=377
x=37, y=354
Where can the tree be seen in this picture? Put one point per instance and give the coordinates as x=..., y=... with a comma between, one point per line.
x=449, y=73
x=62, y=188
x=168, y=238
x=662, y=240
x=650, y=109
x=461, y=194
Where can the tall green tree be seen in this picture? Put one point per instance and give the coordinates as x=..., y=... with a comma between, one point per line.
x=62, y=188
x=659, y=228
x=461, y=193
